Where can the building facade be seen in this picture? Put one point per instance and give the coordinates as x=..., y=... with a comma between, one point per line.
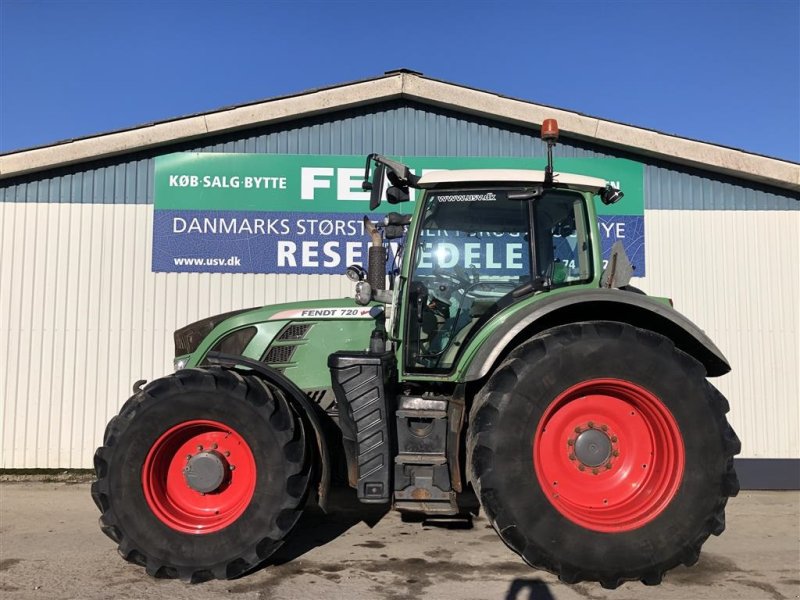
x=83, y=314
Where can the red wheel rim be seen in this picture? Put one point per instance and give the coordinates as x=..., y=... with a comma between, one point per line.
x=642, y=442
x=168, y=493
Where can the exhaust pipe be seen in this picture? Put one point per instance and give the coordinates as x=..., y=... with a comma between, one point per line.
x=376, y=272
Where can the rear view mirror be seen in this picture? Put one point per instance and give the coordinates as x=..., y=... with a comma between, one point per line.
x=378, y=179
x=400, y=176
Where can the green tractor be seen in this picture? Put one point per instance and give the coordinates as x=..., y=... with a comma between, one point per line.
x=501, y=361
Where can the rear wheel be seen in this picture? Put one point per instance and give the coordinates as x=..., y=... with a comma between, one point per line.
x=600, y=452
x=202, y=474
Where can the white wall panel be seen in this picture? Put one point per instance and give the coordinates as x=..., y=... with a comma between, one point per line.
x=82, y=316
x=735, y=274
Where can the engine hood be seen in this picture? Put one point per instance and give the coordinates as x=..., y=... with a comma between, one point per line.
x=188, y=338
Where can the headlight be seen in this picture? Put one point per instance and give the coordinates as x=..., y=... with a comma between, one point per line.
x=180, y=362
x=610, y=195
x=363, y=293
x=356, y=273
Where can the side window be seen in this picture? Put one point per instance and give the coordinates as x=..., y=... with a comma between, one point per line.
x=562, y=239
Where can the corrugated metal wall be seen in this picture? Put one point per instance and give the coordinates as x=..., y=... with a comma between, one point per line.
x=734, y=273
x=82, y=316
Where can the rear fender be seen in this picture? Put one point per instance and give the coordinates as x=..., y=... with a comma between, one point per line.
x=594, y=305
x=310, y=412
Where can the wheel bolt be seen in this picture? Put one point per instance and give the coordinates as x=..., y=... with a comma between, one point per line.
x=227, y=452
x=199, y=448
x=613, y=439
x=604, y=427
x=213, y=446
x=615, y=453
x=578, y=430
x=591, y=424
x=572, y=457
x=570, y=442
x=581, y=468
x=188, y=457
x=595, y=471
x=608, y=465
x=232, y=467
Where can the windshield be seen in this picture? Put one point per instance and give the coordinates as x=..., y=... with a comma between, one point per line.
x=472, y=250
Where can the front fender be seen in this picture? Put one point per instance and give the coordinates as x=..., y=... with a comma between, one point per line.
x=590, y=305
x=307, y=409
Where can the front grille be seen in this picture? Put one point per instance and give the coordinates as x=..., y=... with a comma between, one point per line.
x=279, y=354
x=282, y=353
x=294, y=331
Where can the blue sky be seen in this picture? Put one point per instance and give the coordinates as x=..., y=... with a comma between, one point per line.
x=726, y=72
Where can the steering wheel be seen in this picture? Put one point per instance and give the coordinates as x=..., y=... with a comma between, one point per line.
x=447, y=281
x=455, y=275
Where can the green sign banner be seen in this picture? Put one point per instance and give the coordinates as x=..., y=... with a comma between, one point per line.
x=278, y=213
x=325, y=183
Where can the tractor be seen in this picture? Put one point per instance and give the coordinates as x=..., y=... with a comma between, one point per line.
x=495, y=356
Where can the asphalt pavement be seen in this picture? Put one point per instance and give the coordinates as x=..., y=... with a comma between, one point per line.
x=51, y=547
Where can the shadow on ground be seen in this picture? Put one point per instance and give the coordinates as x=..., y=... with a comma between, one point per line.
x=317, y=528
x=529, y=589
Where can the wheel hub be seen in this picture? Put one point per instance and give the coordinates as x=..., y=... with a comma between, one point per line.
x=199, y=476
x=593, y=448
x=609, y=453
x=205, y=472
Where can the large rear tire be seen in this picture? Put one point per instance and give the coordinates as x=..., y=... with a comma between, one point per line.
x=202, y=474
x=600, y=452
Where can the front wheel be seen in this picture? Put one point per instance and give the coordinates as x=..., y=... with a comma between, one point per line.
x=202, y=474
x=600, y=452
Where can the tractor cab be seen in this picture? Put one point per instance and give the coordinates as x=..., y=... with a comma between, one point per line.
x=477, y=250
x=479, y=241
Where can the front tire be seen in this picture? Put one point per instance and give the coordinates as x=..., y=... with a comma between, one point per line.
x=202, y=474
x=600, y=452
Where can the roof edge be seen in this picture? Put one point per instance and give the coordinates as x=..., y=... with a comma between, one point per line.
x=709, y=157
x=273, y=110
x=408, y=84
